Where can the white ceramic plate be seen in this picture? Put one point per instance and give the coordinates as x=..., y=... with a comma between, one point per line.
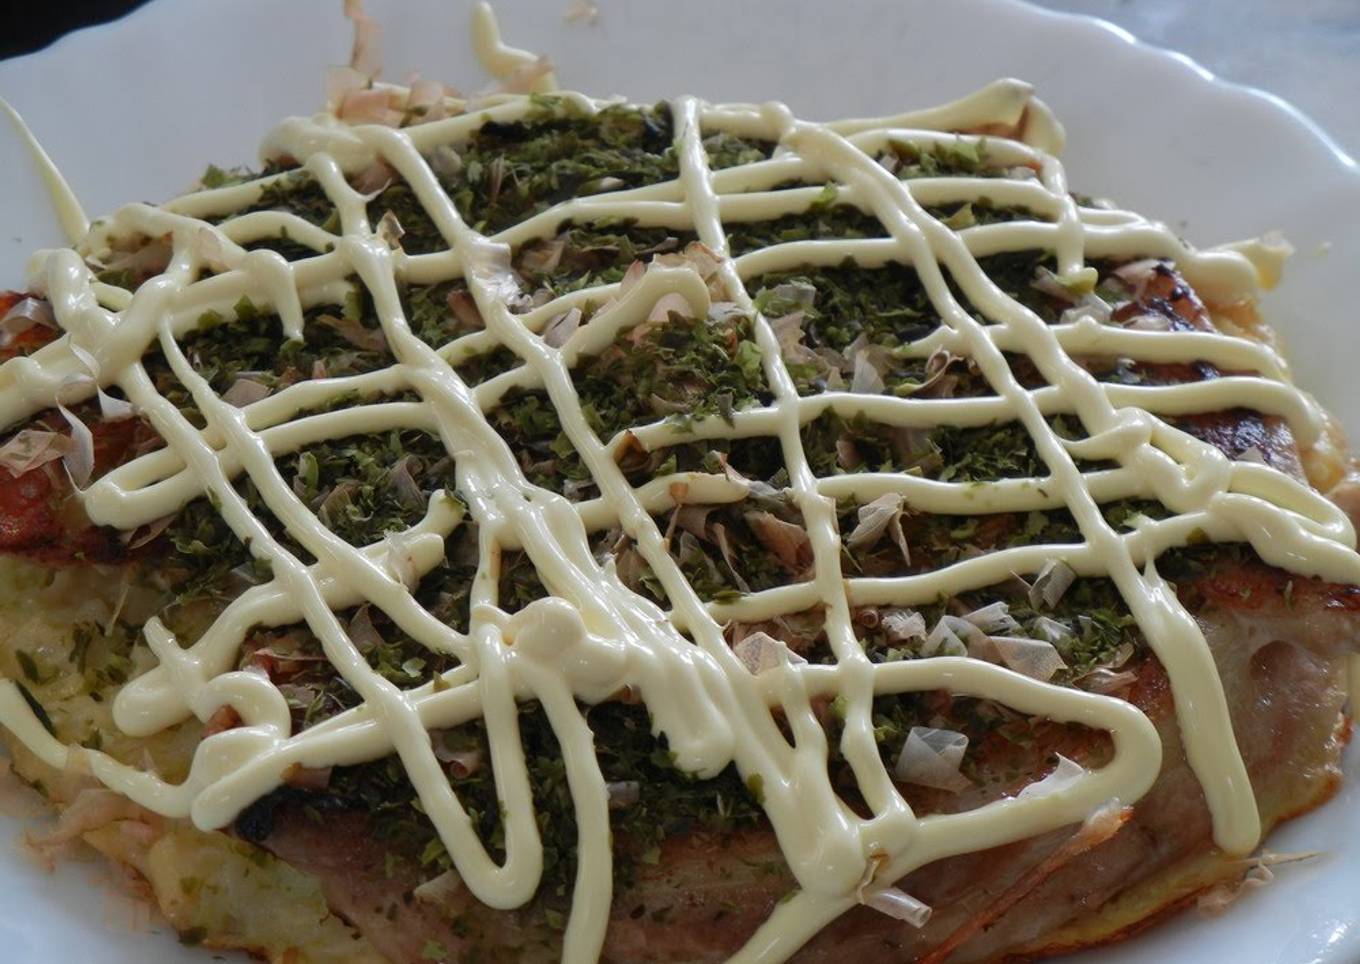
x=136, y=109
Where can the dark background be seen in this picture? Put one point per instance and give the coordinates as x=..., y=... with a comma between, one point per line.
x=30, y=25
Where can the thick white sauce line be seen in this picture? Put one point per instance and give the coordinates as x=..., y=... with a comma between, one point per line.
x=69, y=212
x=1170, y=631
x=593, y=636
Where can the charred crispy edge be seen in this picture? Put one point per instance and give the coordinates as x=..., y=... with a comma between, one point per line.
x=1169, y=892
x=1327, y=463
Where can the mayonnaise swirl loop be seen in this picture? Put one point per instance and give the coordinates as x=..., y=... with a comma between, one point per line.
x=593, y=637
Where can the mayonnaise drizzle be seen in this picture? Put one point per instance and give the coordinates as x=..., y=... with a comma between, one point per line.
x=69, y=212
x=593, y=637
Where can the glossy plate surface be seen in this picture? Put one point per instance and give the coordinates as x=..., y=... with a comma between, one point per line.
x=136, y=109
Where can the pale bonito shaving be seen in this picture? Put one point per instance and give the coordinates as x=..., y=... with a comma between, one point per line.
x=594, y=637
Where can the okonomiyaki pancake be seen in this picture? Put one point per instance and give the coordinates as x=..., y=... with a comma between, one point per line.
x=533, y=527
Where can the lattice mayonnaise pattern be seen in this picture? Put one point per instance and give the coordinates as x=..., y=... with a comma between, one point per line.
x=593, y=637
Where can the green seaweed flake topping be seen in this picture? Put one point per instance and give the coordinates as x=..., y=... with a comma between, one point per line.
x=726, y=150
x=531, y=427
x=668, y=801
x=512, y=171
x=682, y=368
x=360, y=487
x=293, y=192
x=947, y=453
x=251, y=344
x=507, y=172
x=585, y=255
x=825, y=220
